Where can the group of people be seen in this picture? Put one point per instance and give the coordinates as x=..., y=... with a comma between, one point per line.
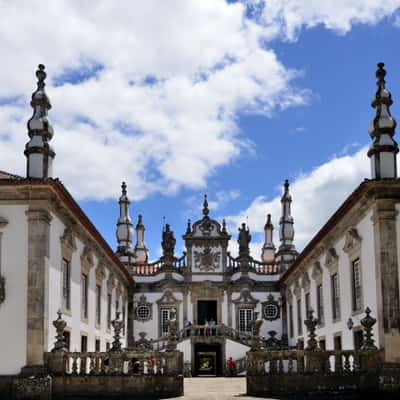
x=209, y=326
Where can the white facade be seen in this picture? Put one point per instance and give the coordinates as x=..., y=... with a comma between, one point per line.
x=14, y=265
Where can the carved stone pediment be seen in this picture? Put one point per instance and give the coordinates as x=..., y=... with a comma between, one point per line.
x=331, y=258
x=111, y=282
x=68, y=239
x=87, y=257
x=305, y=280
x=352, y=241
x=317, y=271
x=168, y=298
x=207, y=260
x=297, y=289
x=246, y=298
x=289, y=295
x=100, y=271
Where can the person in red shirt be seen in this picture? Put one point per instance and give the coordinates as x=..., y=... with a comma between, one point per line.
x=231, y=366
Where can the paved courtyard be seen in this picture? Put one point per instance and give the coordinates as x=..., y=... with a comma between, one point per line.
x=215, y=389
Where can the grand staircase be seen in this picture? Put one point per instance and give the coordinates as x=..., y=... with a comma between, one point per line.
x=220, y=330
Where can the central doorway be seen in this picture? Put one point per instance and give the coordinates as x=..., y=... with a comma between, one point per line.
x=206, y=310
x=208, y=360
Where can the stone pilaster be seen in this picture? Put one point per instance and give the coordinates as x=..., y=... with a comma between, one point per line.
x=185, y=304
x=229, y=302
x=37, y=294
x=131, y=309
x=384, y=219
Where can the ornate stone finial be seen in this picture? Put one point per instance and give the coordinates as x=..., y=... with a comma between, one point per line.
x=367, y=323
x=286, y=186
x=123, y=187
x=382, y=130
x=311, y=324
x=287, y=252
x=168, y=244
x=117, y=325
x=244, y=240
x=40, y=131
x=140, y=221
x=124, y=231
x=268, y=249
x=188, y=227
x=206, y=211
x=60, y=325
x=140, y=251
x=224, y=226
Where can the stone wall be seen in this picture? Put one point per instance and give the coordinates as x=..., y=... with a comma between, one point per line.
x=119, y=387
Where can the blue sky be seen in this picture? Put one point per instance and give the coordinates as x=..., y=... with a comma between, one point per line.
x=300, y=112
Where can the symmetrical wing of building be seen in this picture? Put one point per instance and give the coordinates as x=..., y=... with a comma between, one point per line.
x=53, y=258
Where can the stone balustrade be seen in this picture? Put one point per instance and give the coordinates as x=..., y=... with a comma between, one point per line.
x=115, y=363
x=303, y=361
x=220, y=330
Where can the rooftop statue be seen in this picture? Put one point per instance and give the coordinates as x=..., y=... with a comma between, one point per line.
x=168, y=243
x=244, y=240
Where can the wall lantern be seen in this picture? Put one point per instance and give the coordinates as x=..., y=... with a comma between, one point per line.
x=350, y=324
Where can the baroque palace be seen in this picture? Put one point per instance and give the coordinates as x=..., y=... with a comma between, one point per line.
x=52, y=258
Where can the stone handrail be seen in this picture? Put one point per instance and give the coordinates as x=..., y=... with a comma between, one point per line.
x=317, y=361
x=114, y=363
x=220, y=330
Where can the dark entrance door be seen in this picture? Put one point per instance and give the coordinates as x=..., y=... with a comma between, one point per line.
x=206, y=309
x=208, y=359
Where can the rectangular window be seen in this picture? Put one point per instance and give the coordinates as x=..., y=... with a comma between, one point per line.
x=335, y=297
x=97, y=345
x=356, y=283
x=67, y=340
x=123, y=318
x=98, y=304
x=320, y=305
x=299, y=318
x=109, y=300
x=291, y=330
x=116, y=308
x=66, y=286
x=337, y=342
x=108, y=346
x=84, y=296
x=322, y=344
x=83, y=343
x=245, y=318
x=308, y=304
x=165, y=315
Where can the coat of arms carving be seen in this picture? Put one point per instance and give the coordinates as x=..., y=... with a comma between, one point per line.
x=206, y=260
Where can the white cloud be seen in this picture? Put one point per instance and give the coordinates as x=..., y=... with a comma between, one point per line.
x=289, y=16
x=206, y=61
x=206, y=64
x=316, y=196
